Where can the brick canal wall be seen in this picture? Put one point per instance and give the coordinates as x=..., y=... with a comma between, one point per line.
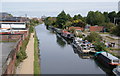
x=9, y=66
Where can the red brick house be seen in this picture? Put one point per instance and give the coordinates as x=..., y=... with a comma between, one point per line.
x=96, y=28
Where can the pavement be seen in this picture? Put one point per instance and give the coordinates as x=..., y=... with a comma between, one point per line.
x=27, y=66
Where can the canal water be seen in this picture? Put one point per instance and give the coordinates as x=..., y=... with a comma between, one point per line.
x=58, y=57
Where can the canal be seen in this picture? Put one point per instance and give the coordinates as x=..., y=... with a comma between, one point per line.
x=59, y=57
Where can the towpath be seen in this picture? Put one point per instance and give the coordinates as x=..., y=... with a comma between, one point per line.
x=27, y=66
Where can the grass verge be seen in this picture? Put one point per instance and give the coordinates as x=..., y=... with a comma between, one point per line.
x=36, y=57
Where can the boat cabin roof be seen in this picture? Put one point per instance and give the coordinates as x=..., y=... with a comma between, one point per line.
x=110, y=56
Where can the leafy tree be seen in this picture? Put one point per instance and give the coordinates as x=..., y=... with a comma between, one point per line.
x=50, y=21
x=67, y=24
x=112, y=15
x=95, y=18
x=116, y=30
x=61, y=19
x=93, y=37
x=76, y=17
x=78, y=23
x=69, y=18
x=106, y=17
x=108, y=26
x=99, y=46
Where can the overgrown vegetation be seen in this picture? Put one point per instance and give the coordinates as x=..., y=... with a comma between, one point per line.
x=93, y=37
x=21, y=55
x=36, y=56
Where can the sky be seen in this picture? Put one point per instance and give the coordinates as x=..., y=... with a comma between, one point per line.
x=60, y=0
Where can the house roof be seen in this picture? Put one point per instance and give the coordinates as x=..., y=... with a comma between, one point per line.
x=13, y=19
x=76, y=28
x=96, y=28
x=66, y=32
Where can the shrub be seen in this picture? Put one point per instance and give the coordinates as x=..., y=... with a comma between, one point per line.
x=99, y=46
x=93, y=37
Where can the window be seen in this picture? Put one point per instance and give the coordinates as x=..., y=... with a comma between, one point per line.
x=115, y=61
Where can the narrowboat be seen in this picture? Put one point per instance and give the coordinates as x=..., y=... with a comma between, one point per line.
x=116, y=70
x=107, y=58
x=67, y=35
x=59, y=31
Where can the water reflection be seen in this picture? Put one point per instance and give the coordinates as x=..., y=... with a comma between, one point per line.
x=60, y=41
x=63, y=42
x=82, y=55
x=58, y=57
x=106, y=69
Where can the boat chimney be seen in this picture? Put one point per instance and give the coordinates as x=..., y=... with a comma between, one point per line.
x=107, y=53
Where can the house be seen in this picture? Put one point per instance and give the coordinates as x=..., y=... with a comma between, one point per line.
x=77, y=30
x=96, y=28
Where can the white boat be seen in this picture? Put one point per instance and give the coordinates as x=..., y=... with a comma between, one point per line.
x=84, y=48
x=116, y=70
x=77, y=41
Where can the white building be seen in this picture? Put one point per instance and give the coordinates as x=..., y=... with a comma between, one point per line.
x=13, y=27
x=10, y=25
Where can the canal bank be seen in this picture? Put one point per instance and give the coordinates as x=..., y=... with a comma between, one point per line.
x=36, y=55
x=58, y=57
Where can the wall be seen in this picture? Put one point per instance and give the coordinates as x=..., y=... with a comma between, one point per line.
x=9, y=66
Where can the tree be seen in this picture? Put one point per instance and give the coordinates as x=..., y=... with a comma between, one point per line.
x=93, y=37
x=106, y=17
x=76, y=17
x=68, y=24
x=99, y=46
x=108, y=26
x=50, y=21
x=112, y=15
x=61, y=19
x=95, y=18
x=69, y=18
x=116, y=30
x=78, y=23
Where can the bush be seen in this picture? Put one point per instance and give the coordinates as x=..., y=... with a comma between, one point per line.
x=31, y=29
x=21, y=55
x=93, y=37
x=99, y=46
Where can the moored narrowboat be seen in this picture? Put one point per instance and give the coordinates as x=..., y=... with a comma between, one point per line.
x=107, y=58
x=67, y=35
